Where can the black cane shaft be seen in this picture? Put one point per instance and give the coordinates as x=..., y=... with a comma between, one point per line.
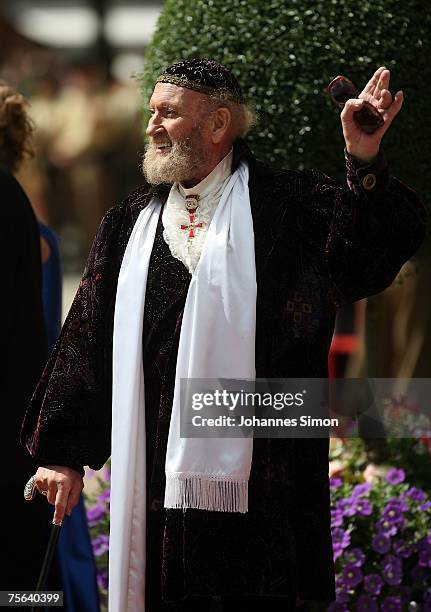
x=53, y=537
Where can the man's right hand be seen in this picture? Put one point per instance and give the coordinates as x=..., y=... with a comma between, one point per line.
x=63, y=486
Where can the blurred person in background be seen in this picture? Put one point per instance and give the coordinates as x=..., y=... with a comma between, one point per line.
x=88, y=141
x=396, y=331
x=24, y=528
x=33, y=316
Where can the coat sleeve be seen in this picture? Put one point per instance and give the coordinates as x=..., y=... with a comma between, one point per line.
x=370, y=229
x=69, y=417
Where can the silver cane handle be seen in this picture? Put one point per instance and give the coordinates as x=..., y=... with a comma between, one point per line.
x=30, y=489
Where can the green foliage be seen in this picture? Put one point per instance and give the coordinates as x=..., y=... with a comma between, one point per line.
x=285, y=52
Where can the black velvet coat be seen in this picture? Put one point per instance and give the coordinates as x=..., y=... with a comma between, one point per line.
x=316, y=244
x=24, y=351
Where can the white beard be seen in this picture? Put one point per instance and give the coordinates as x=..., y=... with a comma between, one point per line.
x=177, y=166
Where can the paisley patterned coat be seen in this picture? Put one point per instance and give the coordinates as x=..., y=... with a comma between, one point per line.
x=316, y=245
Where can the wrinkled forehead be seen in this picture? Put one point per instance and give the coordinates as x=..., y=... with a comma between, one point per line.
x=164, y=93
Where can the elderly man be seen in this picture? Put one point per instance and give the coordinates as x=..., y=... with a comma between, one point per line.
x=218, y=266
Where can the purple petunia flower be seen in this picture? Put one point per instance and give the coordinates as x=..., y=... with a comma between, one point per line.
x=347, y=506
x=352, y=575
x=416, y=494
x=425, y=506
x=425, y=558
x=340, y=587
x=393, y=513
x=356, y=557
x=100, y=545
x=391, y=604
x=102, y=579
x=392, y=575
x=363, y=507
x=335, y=483
x=365, y=603
x=395, y=476
x=381, y=543
x=402, y=548
x=361, y=489
x=390, y=560
x=400, y=502
x=392, y=569
x=343, y=505
x=373, y=584
x=336, y=518
x=340, y=537
x=386, y=527
x=105, y=496
x=397, y=502
x=94, y=515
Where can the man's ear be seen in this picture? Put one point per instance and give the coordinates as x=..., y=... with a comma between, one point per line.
x=220, y=124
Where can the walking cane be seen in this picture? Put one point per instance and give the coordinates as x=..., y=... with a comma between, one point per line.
x=29, y=494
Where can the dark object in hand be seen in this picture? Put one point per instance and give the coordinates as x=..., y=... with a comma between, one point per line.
x=342, y=89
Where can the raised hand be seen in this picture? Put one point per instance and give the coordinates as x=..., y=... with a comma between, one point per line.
x=358, y=143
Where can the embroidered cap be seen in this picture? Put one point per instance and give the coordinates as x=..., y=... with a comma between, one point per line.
x=205, y=76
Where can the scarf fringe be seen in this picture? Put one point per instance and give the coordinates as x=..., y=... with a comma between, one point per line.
x=206, y=493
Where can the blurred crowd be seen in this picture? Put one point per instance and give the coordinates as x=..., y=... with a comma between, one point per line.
x=88, y=145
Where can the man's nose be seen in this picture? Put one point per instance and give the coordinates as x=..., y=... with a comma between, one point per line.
x=154, y=126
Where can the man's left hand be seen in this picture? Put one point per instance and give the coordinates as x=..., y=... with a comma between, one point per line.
x=361, y=145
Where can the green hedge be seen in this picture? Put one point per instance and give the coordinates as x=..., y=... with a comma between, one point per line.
x=284, y=52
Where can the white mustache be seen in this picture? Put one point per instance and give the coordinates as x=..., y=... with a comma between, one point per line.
x=156, y=143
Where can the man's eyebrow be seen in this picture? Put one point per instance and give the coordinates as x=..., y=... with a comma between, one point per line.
x=164, y=105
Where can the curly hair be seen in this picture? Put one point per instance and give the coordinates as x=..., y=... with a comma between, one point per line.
x=16, y=128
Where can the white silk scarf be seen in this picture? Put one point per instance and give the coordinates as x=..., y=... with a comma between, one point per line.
x=217, y=340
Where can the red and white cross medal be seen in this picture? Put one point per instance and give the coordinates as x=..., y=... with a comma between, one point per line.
x=192, y=202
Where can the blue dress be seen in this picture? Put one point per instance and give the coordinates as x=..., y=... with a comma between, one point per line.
x=74, y=569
